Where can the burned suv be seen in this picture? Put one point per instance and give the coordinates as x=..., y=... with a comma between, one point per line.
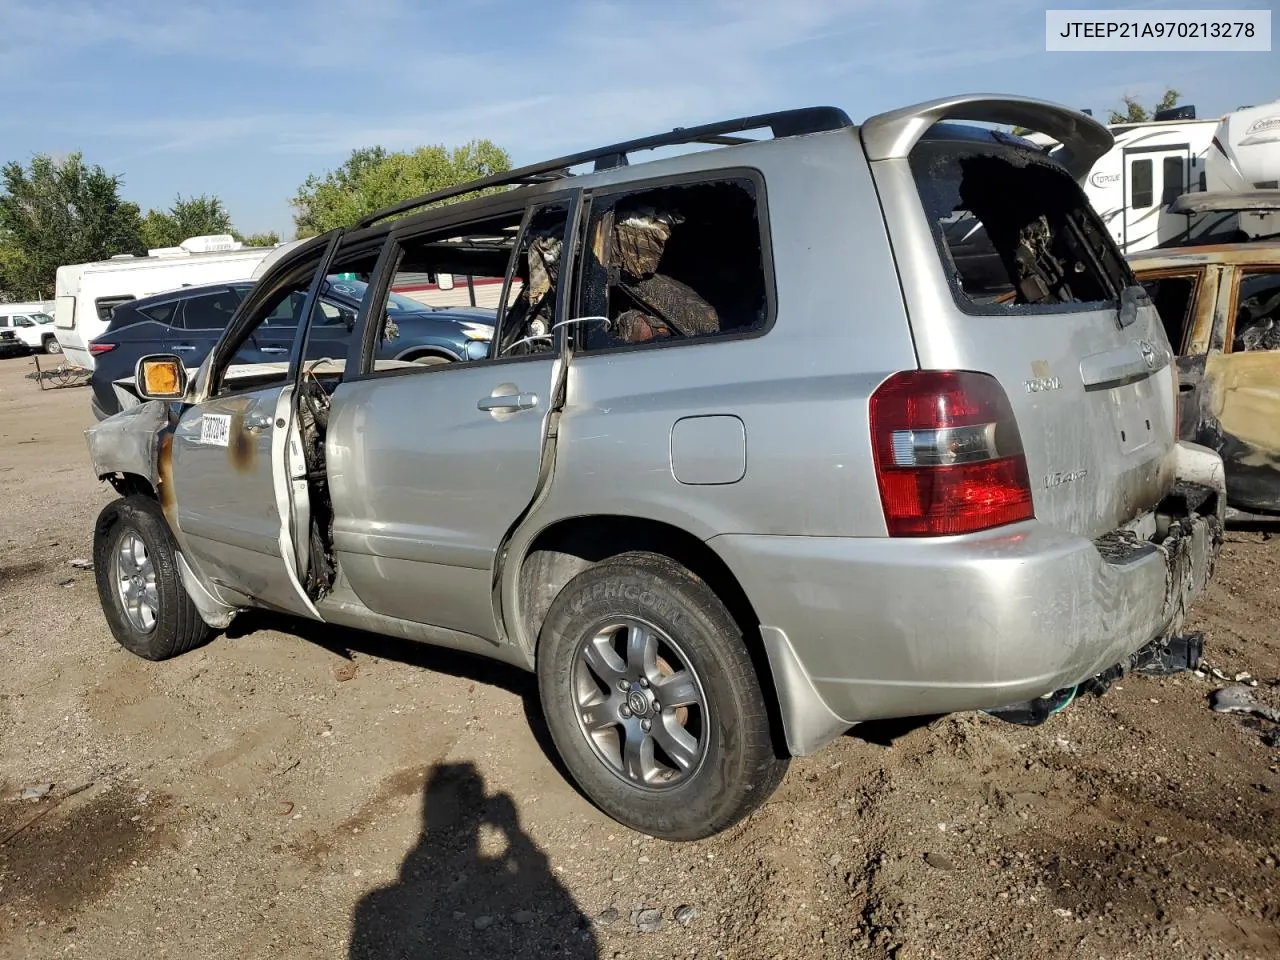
x=749, y=459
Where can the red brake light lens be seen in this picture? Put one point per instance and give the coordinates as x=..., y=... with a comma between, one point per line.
x=97, y=349
x=948, y=454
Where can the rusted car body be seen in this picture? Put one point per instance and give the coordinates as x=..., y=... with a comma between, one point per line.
x=1221, y=309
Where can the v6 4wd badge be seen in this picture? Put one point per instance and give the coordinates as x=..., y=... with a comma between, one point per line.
x=1058, y=479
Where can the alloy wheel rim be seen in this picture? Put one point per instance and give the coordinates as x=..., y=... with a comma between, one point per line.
x=640, y=703
x=134, y=574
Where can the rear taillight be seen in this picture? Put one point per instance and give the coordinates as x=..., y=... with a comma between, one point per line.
x=97, y=349
x=948, y=454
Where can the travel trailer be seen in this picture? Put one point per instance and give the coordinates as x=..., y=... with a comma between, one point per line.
x=1152, y=163
x=1245, y=151
x=86, y=293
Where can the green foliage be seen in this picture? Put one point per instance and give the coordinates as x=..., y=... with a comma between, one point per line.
x=194, y=217
x=268, y=239
x=1136, y=113
x=373, y=178
x=54, y=213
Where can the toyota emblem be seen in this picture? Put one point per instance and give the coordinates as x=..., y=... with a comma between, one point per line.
x=1148, y=354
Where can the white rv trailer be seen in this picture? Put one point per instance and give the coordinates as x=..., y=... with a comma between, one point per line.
x=87, y=293
x=1133, y=183
x=1245, y=153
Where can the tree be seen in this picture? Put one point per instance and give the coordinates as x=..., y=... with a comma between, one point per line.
x=268, y=239
x=1137, y=113
x=54, y=213
x=194, y=217
x=373, y=178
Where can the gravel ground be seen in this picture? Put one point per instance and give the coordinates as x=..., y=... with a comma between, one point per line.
x=296, y=791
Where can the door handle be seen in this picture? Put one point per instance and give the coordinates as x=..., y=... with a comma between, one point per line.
x=274, y=349
x=185, y=347
x=509, y=401
x=256, y=421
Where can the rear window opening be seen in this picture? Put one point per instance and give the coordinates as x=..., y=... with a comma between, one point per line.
x=674, y=264
x=1015, y=232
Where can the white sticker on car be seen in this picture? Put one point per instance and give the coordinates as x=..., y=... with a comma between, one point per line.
x=215, y=428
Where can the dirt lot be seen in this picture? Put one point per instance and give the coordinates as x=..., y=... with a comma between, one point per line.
x=291, y=791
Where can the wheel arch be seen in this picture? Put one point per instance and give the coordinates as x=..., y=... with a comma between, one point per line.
x=428, y=350
x=566, y=547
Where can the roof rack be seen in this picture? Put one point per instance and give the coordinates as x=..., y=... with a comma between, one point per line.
x=785, y=123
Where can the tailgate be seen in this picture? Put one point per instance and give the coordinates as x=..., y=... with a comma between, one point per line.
x=1038, y=296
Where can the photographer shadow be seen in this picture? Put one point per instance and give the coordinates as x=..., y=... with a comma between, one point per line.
x=474, y=885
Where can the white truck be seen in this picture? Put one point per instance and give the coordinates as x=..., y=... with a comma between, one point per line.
x=87, y=293
x=32, y=325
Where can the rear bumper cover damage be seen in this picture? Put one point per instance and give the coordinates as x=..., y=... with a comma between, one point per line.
x=860, y=629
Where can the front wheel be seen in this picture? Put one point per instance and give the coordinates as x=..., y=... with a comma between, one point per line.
x=136, y=567
x=51, y=345
x=652, y=699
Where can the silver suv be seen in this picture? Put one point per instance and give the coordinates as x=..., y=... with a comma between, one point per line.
x=751, y=458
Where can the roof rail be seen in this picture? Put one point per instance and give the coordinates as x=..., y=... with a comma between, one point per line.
x=785, y=123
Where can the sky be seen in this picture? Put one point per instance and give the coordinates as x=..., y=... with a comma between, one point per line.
x=243, y=100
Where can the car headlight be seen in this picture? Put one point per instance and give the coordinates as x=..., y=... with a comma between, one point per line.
x=477, y=331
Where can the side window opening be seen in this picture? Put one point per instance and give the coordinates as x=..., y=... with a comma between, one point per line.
x=210, y=311
x=1173, y=297
x=530, y=312
x=1141, y=187
x=1016, y=231
x=1257, y=313
x=422, y=322
x=161, y=312
x=673, y=263
x=261, y=351
x=1174, y=183
x=106, y=305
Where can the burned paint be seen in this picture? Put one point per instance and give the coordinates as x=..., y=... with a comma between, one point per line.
x=242, y=446
x=164, y=477
x=1243, y=395
x=1232, y=406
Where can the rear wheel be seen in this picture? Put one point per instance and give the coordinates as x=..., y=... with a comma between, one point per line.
x=652, y=699
x=136, y=568
x=51, y=345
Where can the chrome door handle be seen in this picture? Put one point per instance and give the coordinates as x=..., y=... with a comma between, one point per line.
x=274, y=349
x=184, y=347
x=256, y=421
x=510, y=401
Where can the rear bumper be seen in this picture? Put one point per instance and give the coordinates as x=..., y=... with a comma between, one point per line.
x=859, y=629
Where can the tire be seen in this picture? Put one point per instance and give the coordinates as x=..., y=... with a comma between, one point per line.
x=174, y=625
x=51, y=345
x=431, y=359
x=700, y=661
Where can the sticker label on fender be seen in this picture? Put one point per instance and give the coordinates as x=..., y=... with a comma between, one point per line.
x=215, y=428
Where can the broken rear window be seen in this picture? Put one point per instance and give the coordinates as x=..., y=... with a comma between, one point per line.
x=1007, y=220
x=673, y=264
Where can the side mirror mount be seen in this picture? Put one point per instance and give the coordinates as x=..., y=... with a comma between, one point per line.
x=349, y=320
x=160, y=376
x=476, y=349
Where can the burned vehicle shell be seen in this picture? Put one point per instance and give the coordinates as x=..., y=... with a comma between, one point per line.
x=1221, y=305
